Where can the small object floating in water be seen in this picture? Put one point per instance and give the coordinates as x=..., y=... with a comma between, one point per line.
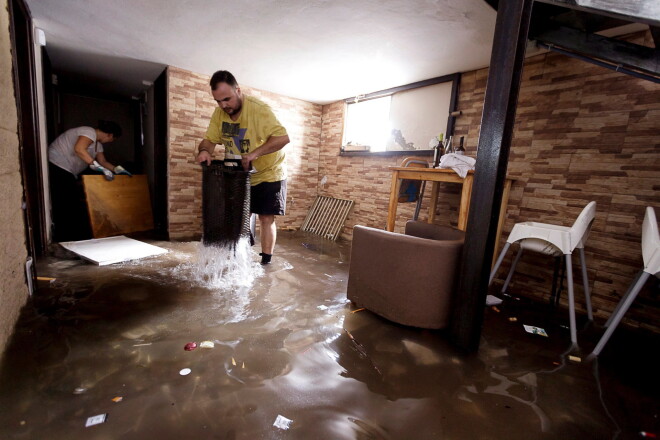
x=117, y=399
x=243, y=365
x=555, y=363
x=358, y=310
x=185, y=371
x=23, y=422
x=574, y=359
x=206, y=344
x=233, y=361
x=190, y=346
x=282, y=422
x=495, y=309
x=79, y=390
x=513, y=319
x=95, y=420
x=535, y=330
x=647, y=434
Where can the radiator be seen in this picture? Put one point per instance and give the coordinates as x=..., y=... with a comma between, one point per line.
x=327, y=216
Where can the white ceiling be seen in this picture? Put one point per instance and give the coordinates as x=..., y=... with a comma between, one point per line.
x=316, y=50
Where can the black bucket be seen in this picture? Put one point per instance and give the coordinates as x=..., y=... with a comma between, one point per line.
x=225, y=203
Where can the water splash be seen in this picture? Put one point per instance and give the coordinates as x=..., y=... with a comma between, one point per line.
x=225, y=267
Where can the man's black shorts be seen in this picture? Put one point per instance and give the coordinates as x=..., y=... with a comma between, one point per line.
x=268, y=198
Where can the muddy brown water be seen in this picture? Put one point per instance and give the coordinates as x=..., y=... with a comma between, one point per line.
x=289, y=346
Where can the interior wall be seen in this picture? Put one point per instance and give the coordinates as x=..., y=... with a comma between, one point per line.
x=13, y=287
x=77, y=110
x=582, y=133
x=190, y=106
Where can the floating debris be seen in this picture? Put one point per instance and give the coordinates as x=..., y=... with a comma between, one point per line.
x=233, y=361
x=358, y=310
x=243, y=365
x=513, y=319
x=23, y=422
x=647, y=434
x=492, y=300
x=95, y=420
x=574, y=359
x=141, y=345
x=282, y=422
x=185, y=372
x=206, y=344
x=495, y=309
x=79, y=390
x=117, y=399
x=535, y=330
x=322, y=307
x=190, y=346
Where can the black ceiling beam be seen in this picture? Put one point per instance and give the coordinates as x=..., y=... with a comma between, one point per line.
x=617, y=52
x=638, y=11
x=499, y=113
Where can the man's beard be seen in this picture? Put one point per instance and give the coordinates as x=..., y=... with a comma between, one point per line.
x=236, y=110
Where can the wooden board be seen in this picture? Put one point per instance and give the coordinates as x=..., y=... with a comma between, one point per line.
x=119, y=206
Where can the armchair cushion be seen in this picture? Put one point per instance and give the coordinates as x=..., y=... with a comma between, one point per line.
x=407, y=278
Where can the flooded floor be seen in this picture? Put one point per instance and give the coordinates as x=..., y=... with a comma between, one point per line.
x=290, y=360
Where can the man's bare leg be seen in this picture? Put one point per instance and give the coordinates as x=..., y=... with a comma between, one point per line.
x=268, y=236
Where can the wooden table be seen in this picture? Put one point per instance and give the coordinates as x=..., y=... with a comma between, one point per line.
x=437, y=175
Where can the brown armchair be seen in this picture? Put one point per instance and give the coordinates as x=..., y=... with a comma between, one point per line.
x=407, y=278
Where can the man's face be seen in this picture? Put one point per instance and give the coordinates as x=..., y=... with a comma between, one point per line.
x=105, y=138
x=228, y=98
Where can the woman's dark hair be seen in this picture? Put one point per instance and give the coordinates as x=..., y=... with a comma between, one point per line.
x=223, y=76
x=109, y=127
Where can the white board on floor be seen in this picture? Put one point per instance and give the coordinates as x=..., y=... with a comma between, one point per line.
x=110, y=250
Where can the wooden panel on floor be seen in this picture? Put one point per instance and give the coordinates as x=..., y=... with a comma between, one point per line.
x=119, y=206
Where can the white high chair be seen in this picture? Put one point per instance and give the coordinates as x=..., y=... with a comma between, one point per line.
x=554, y=240
x=651, y=258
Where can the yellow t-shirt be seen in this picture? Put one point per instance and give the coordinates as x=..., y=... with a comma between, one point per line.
x=254, y=126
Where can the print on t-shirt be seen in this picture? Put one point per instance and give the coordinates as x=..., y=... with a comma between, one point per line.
x=237, y=133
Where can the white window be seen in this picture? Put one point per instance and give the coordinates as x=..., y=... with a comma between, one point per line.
x=367, y=125
x=404, y=118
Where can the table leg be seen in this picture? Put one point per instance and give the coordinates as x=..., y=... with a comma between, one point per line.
x=464, y=209
x=434, y=201
x=394, y=200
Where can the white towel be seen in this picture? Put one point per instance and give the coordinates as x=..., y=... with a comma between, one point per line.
x=458, y=162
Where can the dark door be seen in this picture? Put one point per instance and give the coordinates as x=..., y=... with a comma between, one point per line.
x=28, y=127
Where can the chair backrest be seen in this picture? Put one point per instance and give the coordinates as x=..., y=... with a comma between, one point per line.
x=651, y=242
x=582, y=225
x=409, y=189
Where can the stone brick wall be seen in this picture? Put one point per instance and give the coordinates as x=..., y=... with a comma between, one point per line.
x=190, y=108
x=582, y=133
x=13, y=288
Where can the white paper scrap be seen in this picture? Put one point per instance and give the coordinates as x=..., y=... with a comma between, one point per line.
x=282, y=422
x=95, y=420
x=492, y=300
x=535, y=330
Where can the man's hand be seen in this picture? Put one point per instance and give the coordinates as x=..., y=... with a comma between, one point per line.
x=247, y=159
x=121, y=170
x=204, y=156
x=95, y=166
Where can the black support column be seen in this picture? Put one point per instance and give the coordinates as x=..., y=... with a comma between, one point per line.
x=497, y=121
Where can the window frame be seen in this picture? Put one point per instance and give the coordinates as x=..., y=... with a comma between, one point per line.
x=455, y=79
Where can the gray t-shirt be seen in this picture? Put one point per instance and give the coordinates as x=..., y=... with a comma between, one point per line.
x=61, y=152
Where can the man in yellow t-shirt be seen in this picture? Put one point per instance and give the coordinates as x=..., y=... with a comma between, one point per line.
x=247, y=127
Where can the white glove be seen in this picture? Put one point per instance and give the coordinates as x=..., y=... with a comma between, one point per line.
x=121, y=170
x=95, y=166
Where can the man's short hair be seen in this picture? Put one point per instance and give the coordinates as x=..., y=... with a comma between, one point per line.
x=109, y=127
x=223, y=76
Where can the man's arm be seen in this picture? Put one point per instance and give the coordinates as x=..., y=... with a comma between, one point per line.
x=205, y=151
x=100, y=158
x=273, y=144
